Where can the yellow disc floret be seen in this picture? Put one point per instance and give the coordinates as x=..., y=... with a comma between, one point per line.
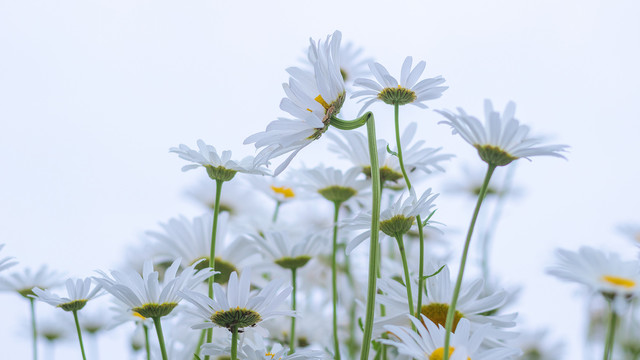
x=283, y=190
x=619, y=281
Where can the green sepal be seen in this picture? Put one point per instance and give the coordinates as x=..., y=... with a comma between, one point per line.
x=74, y=305
x=391, y=151
x=434, y=274
x=220, y=173
x=424, y=223
x=293, y=263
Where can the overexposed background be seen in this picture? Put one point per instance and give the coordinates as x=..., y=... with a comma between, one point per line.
x=93, y=94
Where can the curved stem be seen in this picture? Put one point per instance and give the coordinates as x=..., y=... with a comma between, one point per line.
x=147, y=348
x=611, y=330
x=212, y=254
x=463, y=261
x=407, y=279
x=276, y=211
x=34, y=330
x=163, y=349
x=292, y=339
x=203, y=333
x=234, y=342
x=75, y=317
x=334, y=282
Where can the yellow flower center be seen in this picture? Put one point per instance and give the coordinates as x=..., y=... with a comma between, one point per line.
x=139, y=316
x=287, y=192
x=438, y=354
x=437, y=313
x=619, y=281
x=270, y=354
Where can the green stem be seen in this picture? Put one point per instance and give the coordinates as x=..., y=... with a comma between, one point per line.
x=34, y=330
x=396, y=112
x=334, y=282
x=234, y=342
x=147, y=347
x=276, y=211
x=203, y=333
x=75, y=317
x=611, y=330
x=407, y=279
x=352, y=345
x=163, y=349
x=292, y=339
x=212, y=254
x=463, y=261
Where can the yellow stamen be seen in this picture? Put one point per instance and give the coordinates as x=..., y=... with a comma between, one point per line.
x=287, y=192
x=139, y=316
x=322, y=102
x=619, y=281
x=270, y=354
x=438, y=354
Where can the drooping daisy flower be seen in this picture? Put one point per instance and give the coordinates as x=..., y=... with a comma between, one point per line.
x=285, y=251
x=145, y=295
x=238, y=306
x=395, y=220
x=501, y=139
x=7, y=262
x=600, y=272
x=408, y=91
x=313, y=97
x=24, y=282
x=333, y=184
x=428, y=342
x=218, y=167
x=79, y=292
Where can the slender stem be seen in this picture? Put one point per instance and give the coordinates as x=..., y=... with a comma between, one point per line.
x=212, y=254
x=75, y=317
x=145, y=328
x=276, y=211
x=334, y=282
x=292, y=339
x=407, y=278
x=463, y=261
x=234, y=342
x=375, y=233
x=396, y=111
x=352, y=345
x=611, y=330
x=203, y=333
x=34, y=330
x=163, y=349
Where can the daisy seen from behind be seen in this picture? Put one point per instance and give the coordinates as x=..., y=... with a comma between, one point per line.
x=312, y=98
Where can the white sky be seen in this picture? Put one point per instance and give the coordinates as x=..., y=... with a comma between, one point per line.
x=93, y=93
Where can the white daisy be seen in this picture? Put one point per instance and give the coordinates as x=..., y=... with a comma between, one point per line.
x=604, y=273
x=281, y=190
x=501, y=139
x=7, y=262
x=313, y=97
x=287, y=251
x=352, y=64
x=408, y=91
x=79, y=292
x=145, y=295
x=333, y=184
x=396, y=219
x=239, y=306
x=219, y=167
x=23, y=282
x=280, y=353
x=428, y=342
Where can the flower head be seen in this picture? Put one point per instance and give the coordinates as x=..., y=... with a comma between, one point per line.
x=604, y=273
x=408, y=91
x=239, y=306
x=219, y=167
x=23, y=282
x=313, y=97
x=145, y=295
x=333, y=184
x=79, y=292
x=285, y=251
x=501, y=139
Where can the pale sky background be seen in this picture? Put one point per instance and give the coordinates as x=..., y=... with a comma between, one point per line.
x=93, y=94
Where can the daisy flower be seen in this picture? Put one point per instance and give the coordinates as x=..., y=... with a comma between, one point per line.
x=285, y=251
x=145, y=295
x=501, y=139
x=313, y=97
x=79, y=292
x=24, y=282
x=395, y=220
x=352, y=65
x=428, y=342
x=219, y=167
x=408, y=91
x=600, y=272
x=6, y=262
x=279, y=189
x=238, y=307
x=333, y=184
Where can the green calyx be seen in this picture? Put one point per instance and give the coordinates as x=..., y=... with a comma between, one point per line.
x=386, y=174
x=26, y=293
x=397, y=225
x=220, y=173
x=330, y=110
x=224, y=267
x=239, y=318
x=155, y=310
x=437, y=313
x=399, y=95
x=337, y=193
x=293, y=263
x=493, y=155
x=74, y=305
